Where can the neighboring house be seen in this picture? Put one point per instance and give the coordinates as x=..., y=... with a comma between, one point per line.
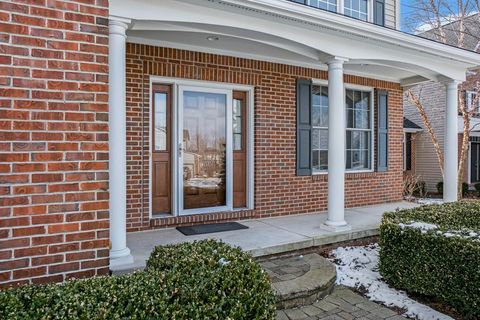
x=410, y=129
x=425, y=163
x=128, y=115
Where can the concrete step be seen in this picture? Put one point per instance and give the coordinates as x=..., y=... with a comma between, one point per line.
x=300, y=280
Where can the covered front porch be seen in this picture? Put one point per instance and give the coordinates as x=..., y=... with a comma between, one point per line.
x=272, y=59
x=270, y=235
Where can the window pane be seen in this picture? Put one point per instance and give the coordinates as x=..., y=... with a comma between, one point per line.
x=160, y=121
x=237, y=124
x=316, y=95
x=320, y=106
x=237, y=141
x=330, y=5
x=355, y=5
x=320, y=149
x=320, y=160
x=357, y=9
x=315, y=139
x=358, y=150
x=363, y=6
x=324, y=139
x=349, y=106
x=358, y=109
x=362, y=119
x=316, y=160
x=323, y=160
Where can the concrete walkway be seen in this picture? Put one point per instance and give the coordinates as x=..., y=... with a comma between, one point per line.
x=270, y=235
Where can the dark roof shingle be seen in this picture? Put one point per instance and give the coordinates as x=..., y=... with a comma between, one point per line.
x=409, y=124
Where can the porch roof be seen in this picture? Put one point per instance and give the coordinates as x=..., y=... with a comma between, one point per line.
x=285, y=32
x=270, y=235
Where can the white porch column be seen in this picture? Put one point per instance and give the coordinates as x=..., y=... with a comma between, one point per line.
x=451, y=144
x=336, y=147
x=119, y=253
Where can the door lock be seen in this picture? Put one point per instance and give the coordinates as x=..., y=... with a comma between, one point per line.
x=180, y=149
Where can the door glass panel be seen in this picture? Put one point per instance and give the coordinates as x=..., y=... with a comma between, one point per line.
x=237, y=124
x=204, y=154
x=160, y=121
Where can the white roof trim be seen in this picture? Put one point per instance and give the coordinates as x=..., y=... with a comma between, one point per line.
x=360, y=28
x=412, y=130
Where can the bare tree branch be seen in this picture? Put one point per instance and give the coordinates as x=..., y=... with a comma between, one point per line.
x=415, y=100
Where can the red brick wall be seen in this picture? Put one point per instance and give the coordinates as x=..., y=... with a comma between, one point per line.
x=278, y=191
x=53, y=140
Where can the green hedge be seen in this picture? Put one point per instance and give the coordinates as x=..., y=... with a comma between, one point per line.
x=441, y=262
x=201, y=280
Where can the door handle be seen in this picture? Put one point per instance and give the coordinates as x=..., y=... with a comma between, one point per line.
x=180, y=149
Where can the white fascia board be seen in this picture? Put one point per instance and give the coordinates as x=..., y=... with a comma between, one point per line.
x=411, y=130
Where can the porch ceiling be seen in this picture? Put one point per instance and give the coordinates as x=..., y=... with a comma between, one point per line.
x=281, y=31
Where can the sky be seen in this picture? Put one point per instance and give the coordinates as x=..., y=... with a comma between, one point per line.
x=408, y=6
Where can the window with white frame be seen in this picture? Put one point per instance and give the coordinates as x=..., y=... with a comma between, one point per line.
x=471, y=98
x=359, y=130
x=356, y=9
x=319, y=128
x=330, y=5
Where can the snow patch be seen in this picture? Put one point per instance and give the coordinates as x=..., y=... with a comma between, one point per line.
x=465, y=234
x=423, y=226
x=357, y=267
x=428, y=201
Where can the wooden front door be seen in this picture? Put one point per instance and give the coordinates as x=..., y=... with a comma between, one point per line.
x=161, y=150
x=239, y=150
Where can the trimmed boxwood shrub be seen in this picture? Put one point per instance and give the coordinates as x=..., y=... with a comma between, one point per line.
x=435, y=251
x=201, y=280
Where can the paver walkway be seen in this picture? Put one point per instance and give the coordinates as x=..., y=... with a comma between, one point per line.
x=342, y=304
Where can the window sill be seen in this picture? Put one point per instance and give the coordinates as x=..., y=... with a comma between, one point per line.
x=349, y=175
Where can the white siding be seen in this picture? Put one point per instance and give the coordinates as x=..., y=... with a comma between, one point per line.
x=391, y=13
x=426, y=161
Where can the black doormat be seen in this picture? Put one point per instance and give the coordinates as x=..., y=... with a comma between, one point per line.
x=210, y=228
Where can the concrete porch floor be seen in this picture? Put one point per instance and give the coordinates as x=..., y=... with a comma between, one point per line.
x=268, y=236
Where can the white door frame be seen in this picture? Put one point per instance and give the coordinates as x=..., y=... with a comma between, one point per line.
x=176, y=83
x=229, y=150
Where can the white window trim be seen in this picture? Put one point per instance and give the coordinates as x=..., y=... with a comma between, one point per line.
x=469, y=99
x=176, y=82
x=319, y=82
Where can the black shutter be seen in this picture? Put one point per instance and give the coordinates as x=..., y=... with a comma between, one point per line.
x=379, y=12
x=382, y=131
x=304, y=127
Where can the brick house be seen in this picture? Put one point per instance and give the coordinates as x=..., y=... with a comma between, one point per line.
x=421, y=154
x=130, y=115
